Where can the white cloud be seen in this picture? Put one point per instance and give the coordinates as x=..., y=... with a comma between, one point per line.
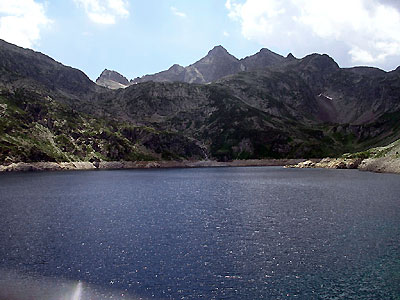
x=361, y=31
x=225, y=33
x=361, y=55
x=178, y=13
x=258, y=17
x=104, y=11
x=21, y=21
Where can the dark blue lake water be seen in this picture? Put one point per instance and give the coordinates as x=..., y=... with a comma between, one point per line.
x=216, y=233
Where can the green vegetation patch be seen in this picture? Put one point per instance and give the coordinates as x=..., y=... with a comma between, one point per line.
x=35, y=127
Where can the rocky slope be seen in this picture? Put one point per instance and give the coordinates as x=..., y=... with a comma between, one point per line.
x=316, y=88
x=380, y=159
x=305, y=107
x=21, y=67
x=221, y=121
x=293, y=108
x=35, y=127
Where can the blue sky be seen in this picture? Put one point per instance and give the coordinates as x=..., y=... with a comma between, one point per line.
x=142, y=37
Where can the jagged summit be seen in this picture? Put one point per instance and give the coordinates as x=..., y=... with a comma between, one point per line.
x=262, y=59
x=266, y=51
x=290, y=56
x=321, y=62
x=216, y=64
x=219, y=63
x=112, y=80
x=113, y=75
x=176, y=67
x=218, y=50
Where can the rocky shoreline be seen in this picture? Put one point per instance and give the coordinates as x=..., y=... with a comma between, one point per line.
x=381, y=165
x=64, y=166
x=378, y=165
x=329, y=163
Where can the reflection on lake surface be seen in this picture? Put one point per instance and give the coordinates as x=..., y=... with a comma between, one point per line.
x=216, y=233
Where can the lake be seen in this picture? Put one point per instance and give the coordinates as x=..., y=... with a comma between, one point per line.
x=212, y=233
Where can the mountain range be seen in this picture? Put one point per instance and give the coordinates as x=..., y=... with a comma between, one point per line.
x=220, y=107
x=216, y=64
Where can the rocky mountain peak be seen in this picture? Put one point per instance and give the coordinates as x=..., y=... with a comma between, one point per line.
x=218, y=51
x=176, y=67
x=322, y=62
x=290, y=56
x=261, y=60
x=265, y=51
x=114, y=76
x=215, y=65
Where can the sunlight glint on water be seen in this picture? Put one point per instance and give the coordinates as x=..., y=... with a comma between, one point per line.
x=78, y=292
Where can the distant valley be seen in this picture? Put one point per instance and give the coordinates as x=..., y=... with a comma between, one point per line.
x=220, y=107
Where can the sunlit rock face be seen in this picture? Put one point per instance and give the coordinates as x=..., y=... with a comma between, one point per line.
x=112, y=80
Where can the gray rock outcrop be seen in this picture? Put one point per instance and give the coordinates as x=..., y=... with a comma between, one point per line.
x=112, y=80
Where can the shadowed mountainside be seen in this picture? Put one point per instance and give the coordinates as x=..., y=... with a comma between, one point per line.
x=21, y=67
